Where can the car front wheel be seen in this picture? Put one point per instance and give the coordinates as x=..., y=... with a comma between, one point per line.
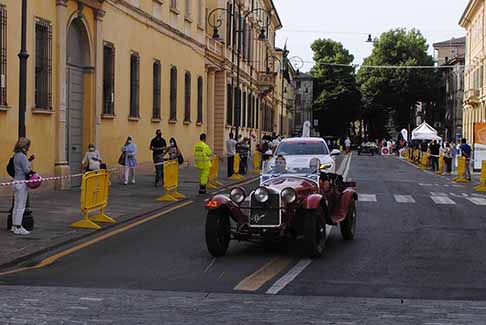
x=314, y=234
x=218, y=233
x=348, y=225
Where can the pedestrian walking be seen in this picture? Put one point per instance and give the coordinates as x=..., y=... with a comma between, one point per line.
x=158, y=146
x=243, y=150
x=347, y=145
x=447, y=153
x=466, y=152
x=92, y=159
x=174, y=152
x=130, y=152
x=230, y=153
x=202, y=155
x=23, y=171
x=434, y=155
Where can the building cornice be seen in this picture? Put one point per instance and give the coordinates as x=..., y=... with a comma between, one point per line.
x=465, y=18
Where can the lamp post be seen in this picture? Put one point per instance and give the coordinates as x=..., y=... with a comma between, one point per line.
x=216, y=22
x=297, y=63
x=23, y=56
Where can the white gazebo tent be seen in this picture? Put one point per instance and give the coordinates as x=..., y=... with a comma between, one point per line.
x=425, y=132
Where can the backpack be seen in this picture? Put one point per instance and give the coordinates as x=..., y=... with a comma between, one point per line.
x=11, y=167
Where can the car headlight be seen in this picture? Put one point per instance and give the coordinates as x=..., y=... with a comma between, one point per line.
x=237, y=195
x=289, y=195
x=261, y=195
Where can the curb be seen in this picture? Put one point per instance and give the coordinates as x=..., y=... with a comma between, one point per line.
x=130, y=219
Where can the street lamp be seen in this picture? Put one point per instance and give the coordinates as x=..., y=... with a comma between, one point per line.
x=297, y=63
x=23, y=56
x=216, y=23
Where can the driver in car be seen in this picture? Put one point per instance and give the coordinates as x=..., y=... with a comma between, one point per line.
x=280, y=166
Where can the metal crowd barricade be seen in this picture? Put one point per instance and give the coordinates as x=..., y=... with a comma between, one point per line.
x=257, y=162
x=482, y=180
x=214, y=173
x=94, y=196
x=236, y=169
x=171, y=182
x=461, y=171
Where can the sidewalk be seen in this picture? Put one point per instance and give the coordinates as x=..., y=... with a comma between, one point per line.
x=54, y=211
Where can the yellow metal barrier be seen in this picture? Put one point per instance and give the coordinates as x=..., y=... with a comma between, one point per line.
x=482, y=186
x=441, y=165
x=94, y=196
x=425, y=161
x=171, y=182
x=214, y=173
x=236, y=169
x=257, y=162
x=461, y=171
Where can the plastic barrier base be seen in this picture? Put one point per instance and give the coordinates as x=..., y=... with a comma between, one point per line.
x=481, y=188
x=236, y=177
x=103, y=218
x=461, y=179
x=214, y=185
x=171, y=197
x=85, y=223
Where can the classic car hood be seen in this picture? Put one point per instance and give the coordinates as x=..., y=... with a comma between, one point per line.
x=299, y=184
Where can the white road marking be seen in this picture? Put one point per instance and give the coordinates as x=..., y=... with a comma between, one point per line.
x=442, y=200
x=462, y=195
x=479, y=195
x=210, y=265
x=346, y=171
x=366, y=197
x=477, y=200
x=420, y=184
x=78, y=308
x=404, y=198
x=31, y=300
x=294, y=272
x=438, y=194
x=460, y=186
x=91, y=299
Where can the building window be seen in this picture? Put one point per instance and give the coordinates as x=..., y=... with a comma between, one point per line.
x=257, y=113
x=237, y=108
x=243, y=110
x=250, y=111
x=3, y=55
x=156, y=90
x=173, y=4
x=199, y=100
x=43, y=64
x=188, y=8
x=173, y=94
x=134, y=85
x=229, y=105
x=187, y=97
x=157, y=9
x=108, y=79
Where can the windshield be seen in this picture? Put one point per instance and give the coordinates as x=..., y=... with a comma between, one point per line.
x=302, y=148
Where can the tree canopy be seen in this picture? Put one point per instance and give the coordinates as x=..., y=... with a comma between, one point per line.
x=337, y=94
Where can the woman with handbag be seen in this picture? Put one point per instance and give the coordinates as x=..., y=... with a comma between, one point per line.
x=129, y=153
x=92, y=159
x=174, y=152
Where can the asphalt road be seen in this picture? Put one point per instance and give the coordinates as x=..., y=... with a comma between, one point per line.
x=419, y=237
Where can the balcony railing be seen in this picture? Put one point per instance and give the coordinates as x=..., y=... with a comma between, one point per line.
x=472, y=95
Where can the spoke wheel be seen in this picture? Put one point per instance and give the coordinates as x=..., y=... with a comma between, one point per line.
x=348, y=225
x=218, y=233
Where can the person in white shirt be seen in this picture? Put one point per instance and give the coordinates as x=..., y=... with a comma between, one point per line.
x=347, y=145
x=230, y=153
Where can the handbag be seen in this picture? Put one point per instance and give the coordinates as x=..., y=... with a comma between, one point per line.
x=122, y=158
x=180, y=159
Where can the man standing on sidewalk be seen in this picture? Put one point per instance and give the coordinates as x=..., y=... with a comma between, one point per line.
x=230, y=153
x=466, y=152
x=202, y=155
x=434, y=155
x=159, y=149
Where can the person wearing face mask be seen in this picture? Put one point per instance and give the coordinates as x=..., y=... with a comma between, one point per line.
x=158, y=146
x=92, y=159
x=130, y=152
x=23, y=168
x=174, y=152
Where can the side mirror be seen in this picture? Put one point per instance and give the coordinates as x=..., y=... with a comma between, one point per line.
x=335, y=152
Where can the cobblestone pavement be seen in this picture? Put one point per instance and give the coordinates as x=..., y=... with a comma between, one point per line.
x=54, y=211
x=44, y=305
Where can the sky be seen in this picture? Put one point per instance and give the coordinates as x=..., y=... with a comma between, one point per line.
x=350, y=22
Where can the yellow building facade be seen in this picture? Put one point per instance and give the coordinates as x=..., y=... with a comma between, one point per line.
x=101, y=70
x=473, y=20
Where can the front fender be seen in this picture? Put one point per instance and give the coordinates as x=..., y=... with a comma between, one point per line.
x=223, y=202
x=313, y=201
x=348, y=197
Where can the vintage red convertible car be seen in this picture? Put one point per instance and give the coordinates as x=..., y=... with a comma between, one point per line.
x=296, y=203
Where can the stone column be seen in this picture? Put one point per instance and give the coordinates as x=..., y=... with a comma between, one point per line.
x=61, y=165
x=99, y=14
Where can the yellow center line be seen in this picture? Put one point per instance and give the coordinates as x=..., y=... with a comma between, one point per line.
x=256, y=280
x=51, y=259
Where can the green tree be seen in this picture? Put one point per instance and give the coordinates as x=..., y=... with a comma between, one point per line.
x=337, y=95
x=394, y=92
